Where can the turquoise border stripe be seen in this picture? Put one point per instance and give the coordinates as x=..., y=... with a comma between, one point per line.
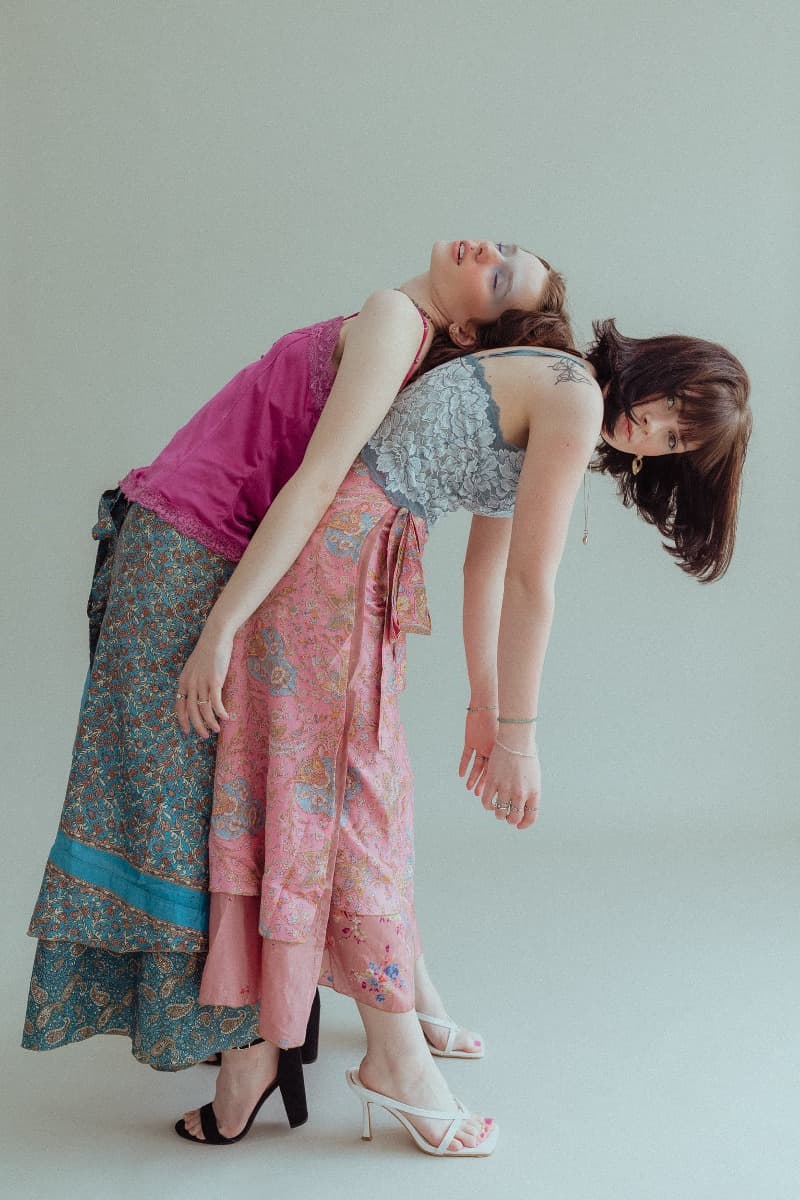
x=158, y=898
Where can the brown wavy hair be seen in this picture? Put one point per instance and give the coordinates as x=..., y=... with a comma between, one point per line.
x=692, y=498
x=549, y=325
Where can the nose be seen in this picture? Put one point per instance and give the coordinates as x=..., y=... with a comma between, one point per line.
x=487, y=251
x=650, y=422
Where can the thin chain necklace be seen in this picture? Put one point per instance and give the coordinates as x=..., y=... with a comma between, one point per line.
x=418, y=307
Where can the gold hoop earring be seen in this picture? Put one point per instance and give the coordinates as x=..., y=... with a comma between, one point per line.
x=637, y=464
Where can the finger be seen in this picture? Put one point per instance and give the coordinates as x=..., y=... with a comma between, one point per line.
x=206, y=707
x=479, y=781
x=529, y=813
x=464, y=761
x=218, y=705
x=209, y=716
x=181, y=714
x=487, y=791
x=196, y=716
x=478, y=767
x=514, y=811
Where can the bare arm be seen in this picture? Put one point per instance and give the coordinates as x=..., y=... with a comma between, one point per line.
x=379, y=350
x=560, y=445
x=484, y=571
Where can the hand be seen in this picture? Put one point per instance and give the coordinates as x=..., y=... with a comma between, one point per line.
x=479, y=734
x=199, y=693
x=515, y=784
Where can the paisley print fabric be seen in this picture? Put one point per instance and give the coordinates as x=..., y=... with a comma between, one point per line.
x=124, y=903
x=78, y=991
x=313, y=798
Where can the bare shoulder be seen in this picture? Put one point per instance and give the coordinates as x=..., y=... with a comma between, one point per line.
x=550, y=392
x=388, y=321
x=388, y=305
x=569, y=397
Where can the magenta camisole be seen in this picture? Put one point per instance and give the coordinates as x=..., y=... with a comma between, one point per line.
x=221, y=471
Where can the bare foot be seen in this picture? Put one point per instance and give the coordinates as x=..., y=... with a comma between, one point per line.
x=428, y=1000
x=243, y=1077
x=416, y=1080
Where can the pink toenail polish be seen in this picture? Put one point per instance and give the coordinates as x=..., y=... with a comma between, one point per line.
x=488, y=1120
x=477, y=1042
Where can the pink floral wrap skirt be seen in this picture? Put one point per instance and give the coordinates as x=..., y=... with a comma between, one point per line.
x=311, y=847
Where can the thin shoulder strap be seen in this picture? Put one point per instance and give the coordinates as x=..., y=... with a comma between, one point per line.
x=427, y=325
x=532, y=350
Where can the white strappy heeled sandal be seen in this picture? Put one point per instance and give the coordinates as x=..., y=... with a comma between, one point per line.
x=452, y=1033
x=398, y=1110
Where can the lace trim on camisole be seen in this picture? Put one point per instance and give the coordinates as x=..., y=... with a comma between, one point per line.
x=321, y=371
x=178, y=518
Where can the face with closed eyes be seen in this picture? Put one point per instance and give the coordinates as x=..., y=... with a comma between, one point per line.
x=473, y=283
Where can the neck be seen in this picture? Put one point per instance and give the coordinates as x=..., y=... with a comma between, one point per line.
x=419, y=290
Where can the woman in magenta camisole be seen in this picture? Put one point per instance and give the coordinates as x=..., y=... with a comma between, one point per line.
x=122, y=915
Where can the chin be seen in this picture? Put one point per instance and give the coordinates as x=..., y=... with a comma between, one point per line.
x=439, y=252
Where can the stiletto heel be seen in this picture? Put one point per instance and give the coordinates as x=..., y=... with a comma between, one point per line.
x=399, y=1109
x=293, y=1093
x=292, y=1086
x=310, y=1046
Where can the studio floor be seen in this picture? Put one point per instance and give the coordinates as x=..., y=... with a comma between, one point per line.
x=639, y=1006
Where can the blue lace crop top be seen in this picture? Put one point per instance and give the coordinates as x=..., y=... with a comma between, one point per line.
x=439, y=448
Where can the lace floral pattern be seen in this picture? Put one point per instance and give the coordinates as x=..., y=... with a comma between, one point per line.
x=150, y=498
x=440, y=448
x=323, y=339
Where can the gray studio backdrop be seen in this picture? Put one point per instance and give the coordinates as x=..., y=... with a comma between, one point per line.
x=188, y=181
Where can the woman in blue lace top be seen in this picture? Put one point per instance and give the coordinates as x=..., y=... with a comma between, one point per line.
x=311, y=840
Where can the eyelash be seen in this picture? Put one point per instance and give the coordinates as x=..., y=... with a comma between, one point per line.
x=672, y=440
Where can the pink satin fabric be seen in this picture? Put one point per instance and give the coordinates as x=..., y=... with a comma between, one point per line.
x=311, y=844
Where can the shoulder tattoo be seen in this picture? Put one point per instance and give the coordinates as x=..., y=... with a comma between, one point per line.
x=568, y=371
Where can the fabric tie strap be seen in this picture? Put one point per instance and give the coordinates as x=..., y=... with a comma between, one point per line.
x=406, y=603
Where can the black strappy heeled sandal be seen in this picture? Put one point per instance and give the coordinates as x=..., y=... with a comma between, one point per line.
x=293, y=1093
x=309, y=1049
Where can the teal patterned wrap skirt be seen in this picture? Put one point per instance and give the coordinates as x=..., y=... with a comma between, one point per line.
x=122, y=914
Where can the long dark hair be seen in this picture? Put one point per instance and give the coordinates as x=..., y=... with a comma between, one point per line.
x=692, y=498
x=548, y=326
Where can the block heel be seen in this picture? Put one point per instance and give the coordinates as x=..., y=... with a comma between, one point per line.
x=310, y=1047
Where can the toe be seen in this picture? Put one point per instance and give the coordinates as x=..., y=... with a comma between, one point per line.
x=468, y=1042
x=193, y=1124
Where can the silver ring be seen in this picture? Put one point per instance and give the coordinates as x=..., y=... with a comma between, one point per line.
x=203, y=701
x=181, y=696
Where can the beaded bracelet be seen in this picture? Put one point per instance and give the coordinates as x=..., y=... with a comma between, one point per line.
x=516, y=753
x=481, y=708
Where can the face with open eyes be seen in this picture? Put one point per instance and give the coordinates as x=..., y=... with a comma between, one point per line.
x=473, y=283
x=655, y=430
